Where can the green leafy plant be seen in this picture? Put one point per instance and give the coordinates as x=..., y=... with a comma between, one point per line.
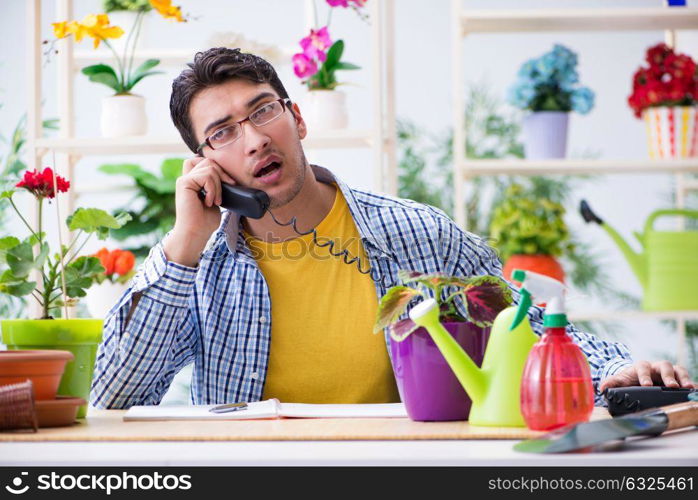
x=483, y=296
x=156, y=195
x=64, y=275
x=528, y=225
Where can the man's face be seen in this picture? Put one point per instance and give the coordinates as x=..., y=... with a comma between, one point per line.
x=215, y=107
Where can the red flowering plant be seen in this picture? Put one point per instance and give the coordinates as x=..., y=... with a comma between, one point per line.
x=483, y=296
x=671, y=79
x=118, y=265
x=321, y=57
x=64, y=275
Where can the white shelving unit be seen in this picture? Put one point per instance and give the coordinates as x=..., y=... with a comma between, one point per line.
x=469, y=21
x=69, y=149
x=380, y=138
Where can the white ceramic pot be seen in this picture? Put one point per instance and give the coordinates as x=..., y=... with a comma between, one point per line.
x=100, y=298
x=325, y=110
x=545, y=134
x=123, y=115
x=672, y=131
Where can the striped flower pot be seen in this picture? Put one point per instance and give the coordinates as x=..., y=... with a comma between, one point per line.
x=672, y=131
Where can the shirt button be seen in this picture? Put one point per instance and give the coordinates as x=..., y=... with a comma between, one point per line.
x=254, y=375
x=262, y=319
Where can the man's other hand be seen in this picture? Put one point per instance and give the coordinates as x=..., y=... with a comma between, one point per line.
x=650, y=373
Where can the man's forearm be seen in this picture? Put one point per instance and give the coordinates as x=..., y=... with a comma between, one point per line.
x=183, y=249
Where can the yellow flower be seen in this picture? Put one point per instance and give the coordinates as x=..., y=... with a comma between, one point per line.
x=61, y=29
x=78, y=30
x=167, y=10
x=97, y=26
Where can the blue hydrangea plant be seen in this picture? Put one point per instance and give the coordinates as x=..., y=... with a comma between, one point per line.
x=550, y=83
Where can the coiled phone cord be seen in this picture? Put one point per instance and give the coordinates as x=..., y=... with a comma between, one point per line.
x=346, y=256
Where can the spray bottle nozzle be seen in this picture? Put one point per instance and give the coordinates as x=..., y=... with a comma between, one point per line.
x=542, y=288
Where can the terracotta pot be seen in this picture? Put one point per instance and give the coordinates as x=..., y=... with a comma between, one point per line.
x=541, y=264
x=58, y=412
x=79, y=336
x=43, y=368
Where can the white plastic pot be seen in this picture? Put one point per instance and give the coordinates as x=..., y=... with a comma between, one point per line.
x=545, y=134
x=100, y=298
x=325, y=110
x=123, y=115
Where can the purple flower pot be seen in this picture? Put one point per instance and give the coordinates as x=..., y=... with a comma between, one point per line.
x=427, y=385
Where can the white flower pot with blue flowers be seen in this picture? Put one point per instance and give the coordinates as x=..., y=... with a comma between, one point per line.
x=544, y=134
x=547, y=91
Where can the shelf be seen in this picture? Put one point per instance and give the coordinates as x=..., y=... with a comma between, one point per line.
x=168, y=57
x=338, y=139
x=546, y=20
x=472, y=168
x=632, y=315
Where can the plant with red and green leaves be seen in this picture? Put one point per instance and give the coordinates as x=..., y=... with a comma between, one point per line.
x=671, y=79
x=483, y=297
x=63, y=276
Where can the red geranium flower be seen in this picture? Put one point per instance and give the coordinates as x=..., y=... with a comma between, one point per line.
x=40, y=184
x=670, y=80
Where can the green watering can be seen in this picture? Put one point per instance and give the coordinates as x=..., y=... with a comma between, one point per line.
x=667, y=266
x=495, y=389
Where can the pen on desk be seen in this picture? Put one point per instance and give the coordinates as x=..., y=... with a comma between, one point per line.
x=228, y=407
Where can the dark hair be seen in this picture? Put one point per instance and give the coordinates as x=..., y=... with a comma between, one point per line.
x=212, y=67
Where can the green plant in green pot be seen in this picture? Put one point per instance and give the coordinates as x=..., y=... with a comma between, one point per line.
x=530, y=233
x=427, y=385
x=55, y=280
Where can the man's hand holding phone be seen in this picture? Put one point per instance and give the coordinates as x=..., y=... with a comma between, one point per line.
x=195, y=220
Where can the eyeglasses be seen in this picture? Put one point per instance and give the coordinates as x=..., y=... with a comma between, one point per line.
x=232, y=132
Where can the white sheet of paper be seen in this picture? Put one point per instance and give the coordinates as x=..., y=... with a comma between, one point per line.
x=270, y=408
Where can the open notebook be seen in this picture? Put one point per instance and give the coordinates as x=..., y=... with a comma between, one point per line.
x=271, y=408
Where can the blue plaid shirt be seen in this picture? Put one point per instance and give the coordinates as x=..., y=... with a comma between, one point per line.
x=218, y=315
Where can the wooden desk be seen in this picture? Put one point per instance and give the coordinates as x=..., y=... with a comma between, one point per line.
x=105, y=439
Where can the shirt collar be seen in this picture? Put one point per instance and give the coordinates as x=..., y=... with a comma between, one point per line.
x=234, y=238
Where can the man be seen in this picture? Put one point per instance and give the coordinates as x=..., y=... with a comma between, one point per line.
x=260, y=310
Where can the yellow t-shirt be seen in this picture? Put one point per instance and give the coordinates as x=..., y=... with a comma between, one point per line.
x=323, y=349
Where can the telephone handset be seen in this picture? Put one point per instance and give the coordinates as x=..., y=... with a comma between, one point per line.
x=246, y=201
x=254, y=203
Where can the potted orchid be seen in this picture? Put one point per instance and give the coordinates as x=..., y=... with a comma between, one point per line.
x=427, y=385
x=547, y=88
x=324, y=106
x=665, y=96
x=123, y=114
x=63, y=278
